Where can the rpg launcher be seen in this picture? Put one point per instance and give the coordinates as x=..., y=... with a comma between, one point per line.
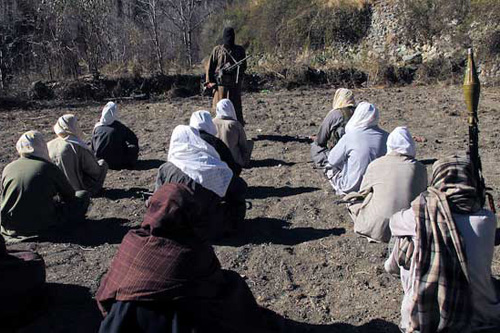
x=472, y=90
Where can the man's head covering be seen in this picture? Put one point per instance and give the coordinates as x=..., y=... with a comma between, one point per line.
x=199, y=160
x=225, y=109
x=343, y=98
x=67, y=128
x=164, y=257
x=401, y=141
x=454, y=177
x=228, y=37
x=202, y=121
x=366, y=115
x=32, y=143
x=109, y=114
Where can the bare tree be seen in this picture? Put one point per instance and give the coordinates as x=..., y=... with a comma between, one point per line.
x=151, y=10
x=187, y=16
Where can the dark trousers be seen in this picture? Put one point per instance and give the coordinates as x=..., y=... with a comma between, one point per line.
x=234, y=95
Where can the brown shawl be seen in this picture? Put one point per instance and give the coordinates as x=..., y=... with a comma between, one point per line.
x=164, y=258
x=441, y=288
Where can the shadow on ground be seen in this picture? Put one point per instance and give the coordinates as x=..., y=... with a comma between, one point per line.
x=283, y=138
x=262, y=192
x=376, y=325
x=268, y=162
x=148, y=164
x=262, y=230
x=118, y=193
x=91, y=233
x=68, y=308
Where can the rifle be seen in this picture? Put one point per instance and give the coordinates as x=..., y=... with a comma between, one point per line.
x=228, y=68
x=472, y=90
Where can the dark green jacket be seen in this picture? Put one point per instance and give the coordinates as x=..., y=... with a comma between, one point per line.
x=29, y=188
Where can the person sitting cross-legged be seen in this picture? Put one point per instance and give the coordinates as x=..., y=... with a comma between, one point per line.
x=36, y=195
x=389, y=185
x=114, y=142
x=362, y=143
x=443, y=253
x=73, y=156
x=165, y=277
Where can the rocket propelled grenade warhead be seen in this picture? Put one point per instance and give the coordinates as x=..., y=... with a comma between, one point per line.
x=472, y=87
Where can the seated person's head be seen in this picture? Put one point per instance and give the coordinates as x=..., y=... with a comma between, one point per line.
x=202, y=121
x=343, y=98
x=366, y=115
x=225, y=109
x=67, y=125
x=32, y=144
x=400, y=141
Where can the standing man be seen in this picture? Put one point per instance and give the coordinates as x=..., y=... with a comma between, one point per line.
x=227, y=83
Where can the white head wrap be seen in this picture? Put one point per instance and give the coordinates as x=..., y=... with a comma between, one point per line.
x=198, y=160
x=225, y=108
x=366, y=115
x=67, y=128
x=109, y=114
x=202, y=121
x=32, y=143
x=343, y=98
x=400, y=141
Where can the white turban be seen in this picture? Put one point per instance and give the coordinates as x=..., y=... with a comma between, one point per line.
x=401, y=141
x=225, y=108
x=202, y=121
x=199, y=160
x=343, y=98
x=109, y=115
x=366, y=115
x=67, y=128
x=32, y=143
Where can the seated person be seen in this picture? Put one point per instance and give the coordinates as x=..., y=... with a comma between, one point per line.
x=443, y=253
x=22, y=282
x=74, y=157
x=333, y=126
x=202, y=121
x=36, y=195
x=166, y=278
x=232, y=133
x=114, y=142
x=362, y=143
x=194, y=163
x=234, y=201
x=389, y=185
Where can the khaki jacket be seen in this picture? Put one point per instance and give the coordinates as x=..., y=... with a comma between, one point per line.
x=232, y=133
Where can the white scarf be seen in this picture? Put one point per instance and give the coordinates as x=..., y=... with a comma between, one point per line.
x=32, y=143
x=67, y=128
x=198, y=160
x=400, y=141
x=109, y=115
x=366, y=115
x=225, y=109
x=202, y=121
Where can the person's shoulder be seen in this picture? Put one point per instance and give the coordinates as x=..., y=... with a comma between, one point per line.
x=55, y=141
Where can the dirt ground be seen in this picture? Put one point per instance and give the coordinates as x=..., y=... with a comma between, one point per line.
x=297, y=250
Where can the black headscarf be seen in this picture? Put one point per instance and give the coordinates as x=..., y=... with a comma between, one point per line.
x=228, y=37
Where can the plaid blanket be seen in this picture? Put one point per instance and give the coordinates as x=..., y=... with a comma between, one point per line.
x=441, y=300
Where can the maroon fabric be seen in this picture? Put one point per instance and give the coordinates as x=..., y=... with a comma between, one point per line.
x=164, y=259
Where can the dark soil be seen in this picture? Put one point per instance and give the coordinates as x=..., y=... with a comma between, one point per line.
x=297, y=250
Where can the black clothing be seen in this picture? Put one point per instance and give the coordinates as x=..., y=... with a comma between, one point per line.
x=228, y=37
x=116, y=144
x=223, y=151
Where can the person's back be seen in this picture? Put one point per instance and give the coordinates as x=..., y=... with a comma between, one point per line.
x=354, y=152
x=392, y=181
x=229, y=131
x=28, y=188
x=111, y=143
x=478, y=233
